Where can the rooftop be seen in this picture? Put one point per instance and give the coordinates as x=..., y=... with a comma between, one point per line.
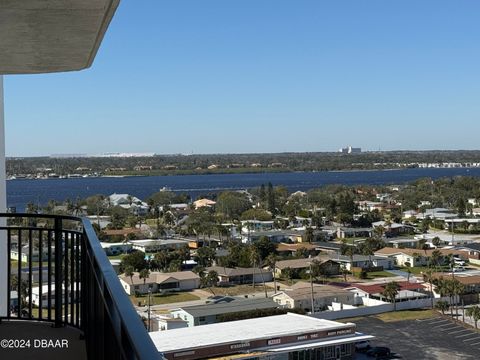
x=234, y=305
x=391, y=251
x=240, y=331
x=158, y=277
x=236, y=271
x=379, y=288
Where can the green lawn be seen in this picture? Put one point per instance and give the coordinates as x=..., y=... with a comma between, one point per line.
x=158, y=299
x=379, y=274
x=237, y=289
x=417, y=270
x=14, y=264
x=116, y=257
x=406, y=315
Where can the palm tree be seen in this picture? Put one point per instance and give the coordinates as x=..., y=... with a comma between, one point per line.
x=457, y=290
x=347, y=250
x=129, y=271
x=254, y=255
x=288, y=274
x=271, y=262
x=209, y=280
x=144, y=274
x=436, y=241
x=391, y=291
x=436, y=256
x=443, y=288
x=442, y=305
x=474, y=313
x=428, y=277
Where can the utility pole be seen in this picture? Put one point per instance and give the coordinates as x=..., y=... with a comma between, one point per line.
x=149, y=304
x=311, y=286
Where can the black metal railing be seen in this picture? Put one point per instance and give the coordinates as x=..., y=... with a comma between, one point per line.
x=62, y=275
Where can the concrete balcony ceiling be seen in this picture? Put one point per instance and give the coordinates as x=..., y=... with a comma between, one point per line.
x=41, y=36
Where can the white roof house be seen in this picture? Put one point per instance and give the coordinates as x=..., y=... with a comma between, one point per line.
x=129, y=202
x=154, y=245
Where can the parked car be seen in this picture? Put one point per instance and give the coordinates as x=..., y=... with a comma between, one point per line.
x=459, y=262
x=379, y=352
x=458, y=269
x=362, y=346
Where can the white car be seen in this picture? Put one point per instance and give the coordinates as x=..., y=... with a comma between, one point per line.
x=458, y=269
x=458, y=262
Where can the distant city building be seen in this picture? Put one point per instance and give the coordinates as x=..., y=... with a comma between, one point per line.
x=125, y=155
x=350, y=150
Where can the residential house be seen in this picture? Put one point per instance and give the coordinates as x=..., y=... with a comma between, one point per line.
x=250, y=226
x=204, y=203
x=437, y=214
x=409, y=214
x=347, y=232
x=41, y=294
x=413, y=257
x=393, y=229
x=407, y=291
x=112, y=249
x=323, y=296
x=294, y=249
x=237, y=276
x=213, y=312
x=101, y=220
x=471, y=286
x=119, y=233
x=130, y=203
x=167, y=322
x=157, y=281
x=401, y=243
x=155, y=245
x=370, y=205
x=328, y=246
x=362, y=262
x=24, y=254
x=329, y=267
x=473, y=251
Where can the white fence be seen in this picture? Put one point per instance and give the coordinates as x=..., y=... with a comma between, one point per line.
x=377, y=307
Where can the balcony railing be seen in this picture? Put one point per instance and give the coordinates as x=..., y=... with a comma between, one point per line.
x=62, y=276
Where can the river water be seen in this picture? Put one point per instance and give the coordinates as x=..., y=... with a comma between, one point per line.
x=22, y=191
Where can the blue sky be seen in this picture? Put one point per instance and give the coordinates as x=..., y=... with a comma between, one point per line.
x=218, y=76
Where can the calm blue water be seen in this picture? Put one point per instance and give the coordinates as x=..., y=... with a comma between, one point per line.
x=20, y=192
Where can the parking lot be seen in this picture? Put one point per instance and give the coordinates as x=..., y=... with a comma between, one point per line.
x=436, y=338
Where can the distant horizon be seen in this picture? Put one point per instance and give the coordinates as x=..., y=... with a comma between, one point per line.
x=150, y=154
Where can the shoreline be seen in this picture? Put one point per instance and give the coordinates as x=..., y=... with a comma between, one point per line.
x=264, y=171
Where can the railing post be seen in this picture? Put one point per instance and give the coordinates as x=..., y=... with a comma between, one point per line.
x=4, y=290
x=58, y=272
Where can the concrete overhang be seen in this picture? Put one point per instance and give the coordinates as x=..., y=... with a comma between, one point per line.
x=42, y=36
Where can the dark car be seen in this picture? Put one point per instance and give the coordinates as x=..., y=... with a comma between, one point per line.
x=379, y=352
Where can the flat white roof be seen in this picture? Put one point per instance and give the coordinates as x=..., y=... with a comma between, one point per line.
x=241, y=330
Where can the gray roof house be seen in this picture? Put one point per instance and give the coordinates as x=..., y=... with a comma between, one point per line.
x=236, y=276
x=212, y=313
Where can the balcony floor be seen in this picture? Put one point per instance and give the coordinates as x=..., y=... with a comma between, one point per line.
x=41, y=341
